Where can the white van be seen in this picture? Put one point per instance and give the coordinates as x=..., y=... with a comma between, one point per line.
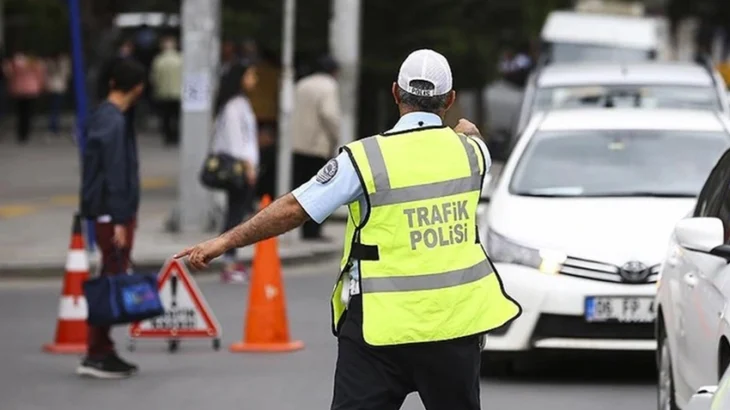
x=570, y=36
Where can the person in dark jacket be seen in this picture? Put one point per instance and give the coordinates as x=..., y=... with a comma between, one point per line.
x=110, y=194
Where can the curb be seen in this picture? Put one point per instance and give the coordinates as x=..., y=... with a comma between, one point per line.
x=146, y=266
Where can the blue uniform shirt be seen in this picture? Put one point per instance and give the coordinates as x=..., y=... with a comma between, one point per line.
x=320, y=199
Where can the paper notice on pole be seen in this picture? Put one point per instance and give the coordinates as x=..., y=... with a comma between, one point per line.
x=196, y=92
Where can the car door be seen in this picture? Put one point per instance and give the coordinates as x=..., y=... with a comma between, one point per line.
x=703, y=279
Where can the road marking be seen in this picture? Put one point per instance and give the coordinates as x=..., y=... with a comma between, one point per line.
x=155, y=183
x=14, y=211
x=65, y=200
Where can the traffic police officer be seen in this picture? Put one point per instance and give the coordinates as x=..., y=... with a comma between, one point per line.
x=416, y=292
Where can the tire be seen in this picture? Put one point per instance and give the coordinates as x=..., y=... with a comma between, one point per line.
x=666, y=398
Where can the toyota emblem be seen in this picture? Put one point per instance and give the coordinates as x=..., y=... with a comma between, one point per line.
x=634, y=272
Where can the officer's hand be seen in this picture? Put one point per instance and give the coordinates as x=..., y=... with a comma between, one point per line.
x=466, y=127
x=201, y=254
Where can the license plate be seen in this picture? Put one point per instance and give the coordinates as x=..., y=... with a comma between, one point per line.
x=626, y=309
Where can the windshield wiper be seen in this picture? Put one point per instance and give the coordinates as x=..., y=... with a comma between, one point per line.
x=638, y=194
x=541, y=195
x=632, y=194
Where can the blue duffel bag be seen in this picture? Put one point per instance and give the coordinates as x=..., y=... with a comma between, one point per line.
x=122, y=298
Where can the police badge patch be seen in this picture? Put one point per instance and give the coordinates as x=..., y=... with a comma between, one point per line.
x=328, y=171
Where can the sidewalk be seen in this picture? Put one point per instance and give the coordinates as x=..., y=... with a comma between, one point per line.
x=38, y=197
x=39, y=186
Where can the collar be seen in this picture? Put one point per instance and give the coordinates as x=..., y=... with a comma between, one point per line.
x=414, y=120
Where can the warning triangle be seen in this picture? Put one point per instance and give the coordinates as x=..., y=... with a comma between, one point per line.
x=187, y=313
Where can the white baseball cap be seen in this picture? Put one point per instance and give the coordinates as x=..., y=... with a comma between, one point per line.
x=425, y=65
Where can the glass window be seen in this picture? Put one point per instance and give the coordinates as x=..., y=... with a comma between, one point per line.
x=714, y=199
x=642, y=96
x=571, y=52
x=617, y=163
x=707, y=203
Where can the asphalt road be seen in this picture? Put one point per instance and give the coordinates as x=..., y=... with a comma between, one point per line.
x=197, y=377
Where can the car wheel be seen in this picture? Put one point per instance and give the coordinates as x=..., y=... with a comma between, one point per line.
x=665, y=391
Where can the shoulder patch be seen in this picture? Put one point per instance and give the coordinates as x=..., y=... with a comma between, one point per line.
x=327, y=172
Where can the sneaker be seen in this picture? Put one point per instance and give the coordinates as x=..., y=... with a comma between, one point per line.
x=132, y=368
x=236, y=274
x=106, y=368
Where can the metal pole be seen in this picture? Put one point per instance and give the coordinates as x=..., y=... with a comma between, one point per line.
x=79, y=82
x=345, y=46
x=200, y=38
x=2, y=24
x=286, y=105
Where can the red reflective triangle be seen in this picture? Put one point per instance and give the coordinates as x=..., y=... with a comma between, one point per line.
x=212, y=328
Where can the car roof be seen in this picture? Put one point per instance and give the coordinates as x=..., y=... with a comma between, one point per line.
x=654, y=73
x=600, y=29
x=630, y=119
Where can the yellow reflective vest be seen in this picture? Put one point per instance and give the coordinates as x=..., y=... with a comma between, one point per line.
x=424, y=276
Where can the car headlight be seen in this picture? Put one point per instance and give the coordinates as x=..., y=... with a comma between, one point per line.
x=501, y=249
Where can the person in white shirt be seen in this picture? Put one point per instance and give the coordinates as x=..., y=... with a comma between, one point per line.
x=236, y=134
x=57, y=77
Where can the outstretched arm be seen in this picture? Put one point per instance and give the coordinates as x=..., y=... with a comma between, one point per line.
x=335, y=185
x=281, y=216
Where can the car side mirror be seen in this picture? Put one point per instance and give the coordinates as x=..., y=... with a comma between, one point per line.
x=705, y=235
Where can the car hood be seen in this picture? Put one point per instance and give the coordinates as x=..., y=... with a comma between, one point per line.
x=610, y=230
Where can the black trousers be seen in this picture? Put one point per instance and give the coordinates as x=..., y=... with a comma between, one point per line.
x=24, y=110
x=305, y=167
x=169, y=111
x=445, y=374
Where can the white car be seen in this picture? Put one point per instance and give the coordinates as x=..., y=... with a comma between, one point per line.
x=577, y=224
x=693, y=322
x=715, y=397
x=685, y=85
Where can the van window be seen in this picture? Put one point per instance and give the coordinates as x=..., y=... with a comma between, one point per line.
x=572, y=52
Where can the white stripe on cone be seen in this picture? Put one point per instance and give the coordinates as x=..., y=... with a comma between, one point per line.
x=72, y=308
x=77, y=261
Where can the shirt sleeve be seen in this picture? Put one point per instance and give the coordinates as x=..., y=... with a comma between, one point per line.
x=329, y=190
x=235, y=130
x=252, y=135
x=487, y=160
x=111, y=136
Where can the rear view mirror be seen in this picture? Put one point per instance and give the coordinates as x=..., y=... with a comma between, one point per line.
x=706, y=235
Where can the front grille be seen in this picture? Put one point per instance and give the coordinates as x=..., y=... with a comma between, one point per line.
x=583, y=268
x=576, y=327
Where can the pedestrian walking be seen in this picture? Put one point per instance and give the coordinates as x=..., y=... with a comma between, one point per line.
x=26, y=76
x=110, y=195
x=59, y=74
x=236, y=135
x=416, y=292
x=166, y=79
x=315, y=128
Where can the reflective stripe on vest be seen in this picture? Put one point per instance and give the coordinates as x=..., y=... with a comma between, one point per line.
x=417, y=246
x=384, y=195
x=426, y=282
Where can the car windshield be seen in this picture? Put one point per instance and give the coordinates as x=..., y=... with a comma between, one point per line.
x=617, y=163
x=642, y=96
x=569, y=52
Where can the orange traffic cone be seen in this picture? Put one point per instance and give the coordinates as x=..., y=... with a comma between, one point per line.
x=71, y=330
x=266, y=328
